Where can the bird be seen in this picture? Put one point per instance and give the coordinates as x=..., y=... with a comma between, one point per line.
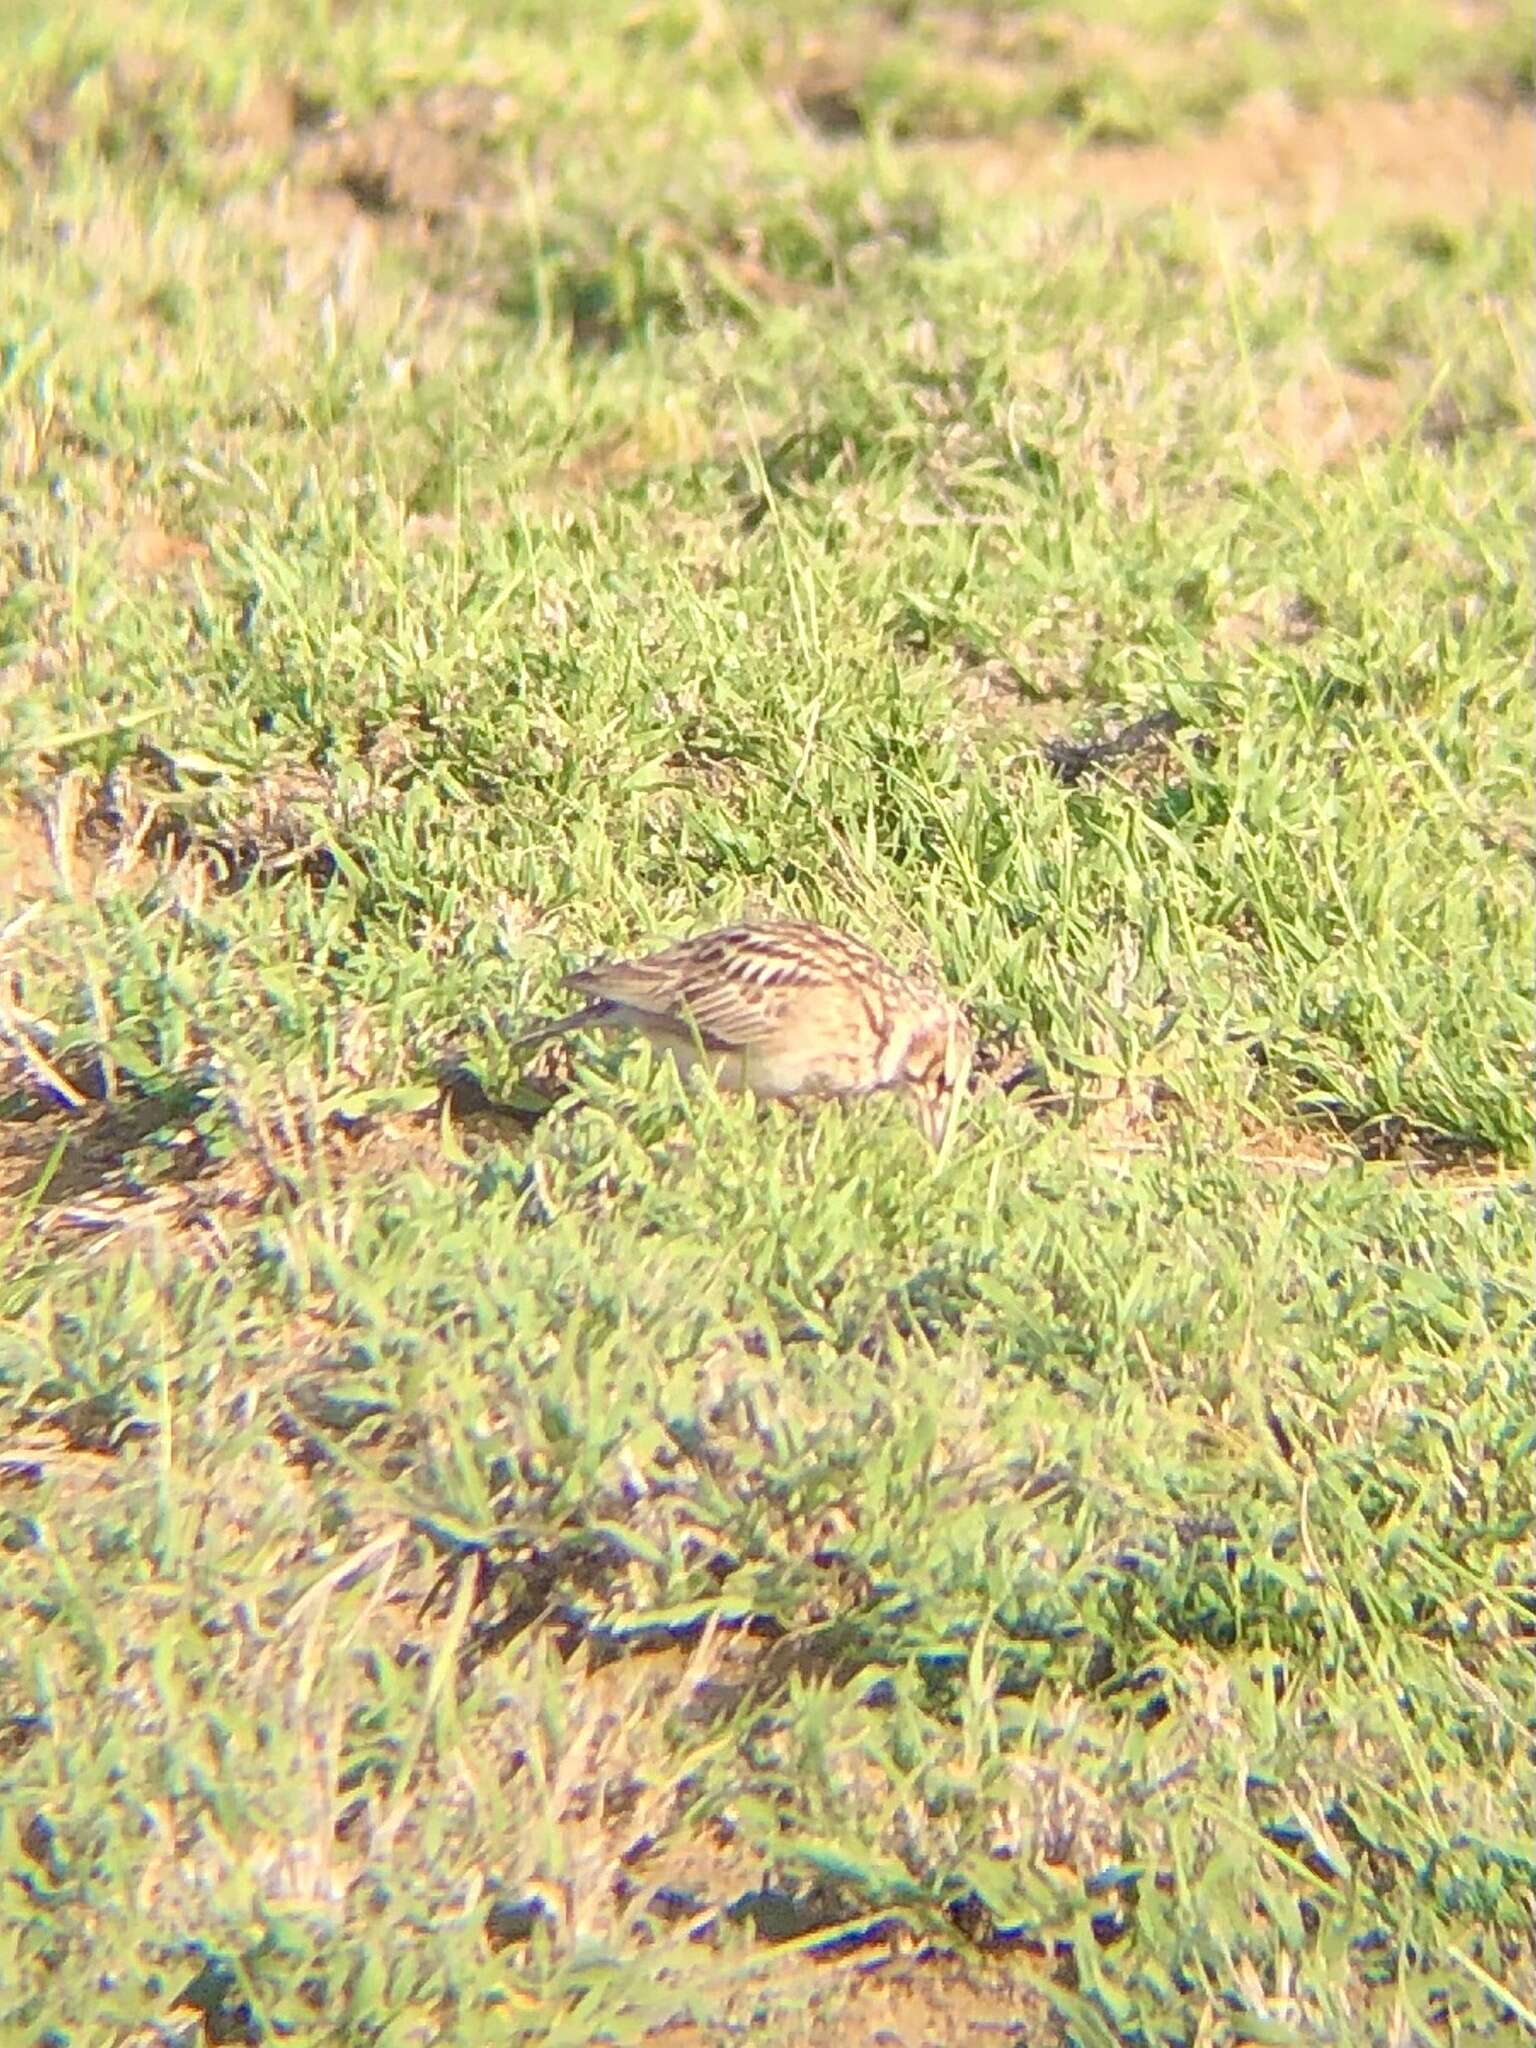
x=788, y=1010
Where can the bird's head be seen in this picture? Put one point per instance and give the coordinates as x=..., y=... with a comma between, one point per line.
x=937, y=1064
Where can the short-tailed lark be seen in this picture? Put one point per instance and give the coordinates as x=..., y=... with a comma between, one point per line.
x=786, y=1010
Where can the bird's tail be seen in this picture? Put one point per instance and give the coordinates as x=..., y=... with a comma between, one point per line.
x=557, y=1027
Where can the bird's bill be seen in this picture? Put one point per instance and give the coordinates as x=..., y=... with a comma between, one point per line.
x=939, y=1112
x=936, y=1115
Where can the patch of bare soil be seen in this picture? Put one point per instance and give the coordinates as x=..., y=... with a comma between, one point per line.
x=425, y=156
x=975, y=63
x=1326, y=418
x=96, y=1154
x=1449, y=158
x=1126, y=1118
x=27, y=870
x=86, y=1146
x=148, y=552
x=417, y=166
x=925, y=2001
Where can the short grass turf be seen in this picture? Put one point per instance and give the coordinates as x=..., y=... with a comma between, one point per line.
x=480, y=486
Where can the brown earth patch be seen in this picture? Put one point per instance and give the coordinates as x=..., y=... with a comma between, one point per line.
x=1326, y=418
x=420, y=174
x=148, y=551
x=1124, y=1117
x=1453, y=157
x=269, y=113
x=653, y=441
x=973, y=69
x=1287, y=618
x=27, y=868
x=400, y=164
x=990, y=691
x=93, y=1162
x=88, y=1144
x=1142, y=1119
x=62, y=845
x=209, y=828
x=924, y=2001
x=423, y=159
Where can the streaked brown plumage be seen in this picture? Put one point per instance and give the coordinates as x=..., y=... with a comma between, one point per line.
x=786, y=1010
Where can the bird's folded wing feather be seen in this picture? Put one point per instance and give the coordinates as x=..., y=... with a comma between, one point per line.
x=726, y=1009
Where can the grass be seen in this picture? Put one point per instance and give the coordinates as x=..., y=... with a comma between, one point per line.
x=476, y=491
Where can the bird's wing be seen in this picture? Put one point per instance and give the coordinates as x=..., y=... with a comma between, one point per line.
x=732, y=987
